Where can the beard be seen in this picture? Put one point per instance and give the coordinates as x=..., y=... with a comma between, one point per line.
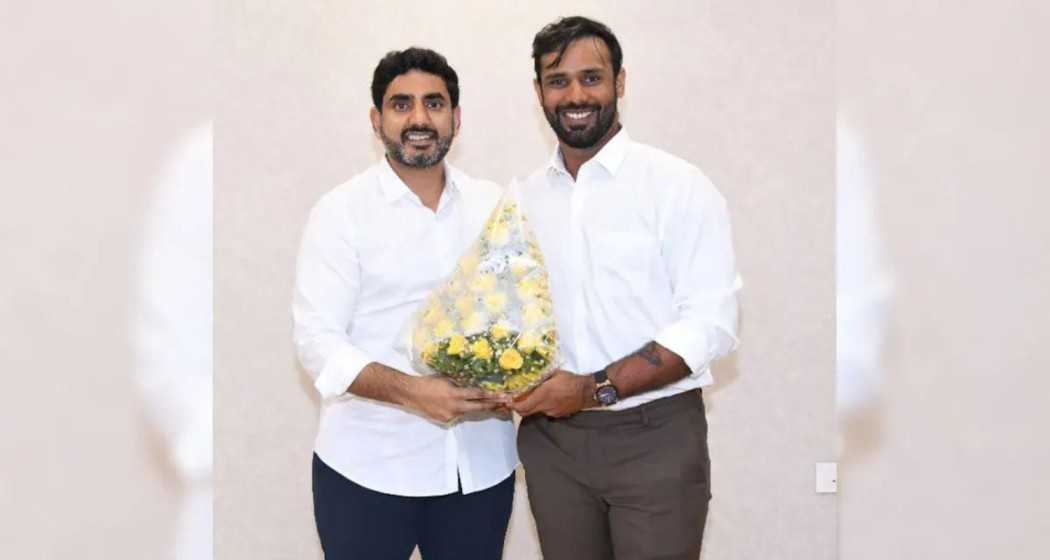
x=397, y=150
x=586, y=137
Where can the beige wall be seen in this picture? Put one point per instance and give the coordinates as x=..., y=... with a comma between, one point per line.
x=743, y=89
x=950, y=99
x=93, y=96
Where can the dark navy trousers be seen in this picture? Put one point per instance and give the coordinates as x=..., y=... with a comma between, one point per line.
x=355, y=523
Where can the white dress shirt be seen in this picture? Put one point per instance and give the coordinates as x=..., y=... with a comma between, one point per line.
x=638, y=249
x=371, y=253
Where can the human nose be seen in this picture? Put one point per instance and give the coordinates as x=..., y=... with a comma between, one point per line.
x=575, y=94
x=420, y=115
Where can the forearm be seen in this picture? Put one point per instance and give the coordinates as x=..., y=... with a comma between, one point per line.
x=650, y=367
x=432, y=395
x=382, y=383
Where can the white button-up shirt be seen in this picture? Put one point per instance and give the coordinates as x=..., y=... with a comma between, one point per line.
x=371, y=253
x=638, y=248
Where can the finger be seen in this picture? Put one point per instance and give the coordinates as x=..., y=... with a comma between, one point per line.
x=467, y=407
x=488, y=396
x=494, y=396
x=522, y=410
x=530, y=403
x=445, y=419
x=470, y=393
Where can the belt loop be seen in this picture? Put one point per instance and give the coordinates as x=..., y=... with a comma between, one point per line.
x=645, y=417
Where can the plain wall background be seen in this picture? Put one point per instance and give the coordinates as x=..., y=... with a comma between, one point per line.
x=93, y=98
x=950, y=100
x=745, y=90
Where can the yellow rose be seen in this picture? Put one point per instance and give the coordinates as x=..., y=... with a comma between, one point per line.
x=465, y=305
x=469, y=262
x=483, y=282
x=498, y=235
x=475, y=322
x=433, y=314
x=533, y=314
x=429, y=349
x=481, y=349
x=457, y=345
x=516, y=382
x=532, y=287
x=520, y=381
x=521, y=265
x=510, y=359
x=500, y=330
x=528, y=341
x=443, y=329
x=496, y=301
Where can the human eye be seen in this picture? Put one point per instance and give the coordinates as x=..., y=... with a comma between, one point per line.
x=592, y=78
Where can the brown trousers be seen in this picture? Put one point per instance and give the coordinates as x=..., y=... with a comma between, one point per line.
x=624, y=485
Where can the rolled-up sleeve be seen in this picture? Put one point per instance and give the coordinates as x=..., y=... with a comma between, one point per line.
x=327, y=284
x=698, y=251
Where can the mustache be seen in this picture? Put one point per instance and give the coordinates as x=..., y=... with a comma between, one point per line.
x=416, y=128
x=577, y=107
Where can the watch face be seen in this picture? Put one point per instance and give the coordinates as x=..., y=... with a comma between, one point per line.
x=607, y=395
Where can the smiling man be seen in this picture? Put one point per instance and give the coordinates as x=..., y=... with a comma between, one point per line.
x=644, y=284
x=400, y=460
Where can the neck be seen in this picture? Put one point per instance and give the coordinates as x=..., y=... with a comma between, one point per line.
x=574, y=158
x=426, y=182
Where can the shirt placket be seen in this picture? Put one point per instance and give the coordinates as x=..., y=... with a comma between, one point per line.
x=577, y=202
x=449, y=237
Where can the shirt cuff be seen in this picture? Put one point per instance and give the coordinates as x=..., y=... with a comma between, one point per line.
x=684, y=340
x=340, y=371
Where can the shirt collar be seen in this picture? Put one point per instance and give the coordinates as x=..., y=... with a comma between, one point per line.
x=610, y=157
x=393, y=188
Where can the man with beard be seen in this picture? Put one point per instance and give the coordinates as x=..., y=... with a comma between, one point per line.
x=644, y=285
x=400, y=460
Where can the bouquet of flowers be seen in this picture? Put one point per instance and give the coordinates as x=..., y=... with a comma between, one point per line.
x=491, y=324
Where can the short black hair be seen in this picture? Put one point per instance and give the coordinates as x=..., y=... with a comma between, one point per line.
x=557, y=36
x=396, y=63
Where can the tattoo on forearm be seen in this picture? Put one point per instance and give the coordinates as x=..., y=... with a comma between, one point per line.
x=650, y=354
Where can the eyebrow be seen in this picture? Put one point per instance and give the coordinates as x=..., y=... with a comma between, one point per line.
x=407, y=97
x=562, y=73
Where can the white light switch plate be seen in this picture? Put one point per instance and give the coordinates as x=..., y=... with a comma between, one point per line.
x=827, y=478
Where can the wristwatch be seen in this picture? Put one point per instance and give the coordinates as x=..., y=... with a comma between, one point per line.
x=604, y=391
